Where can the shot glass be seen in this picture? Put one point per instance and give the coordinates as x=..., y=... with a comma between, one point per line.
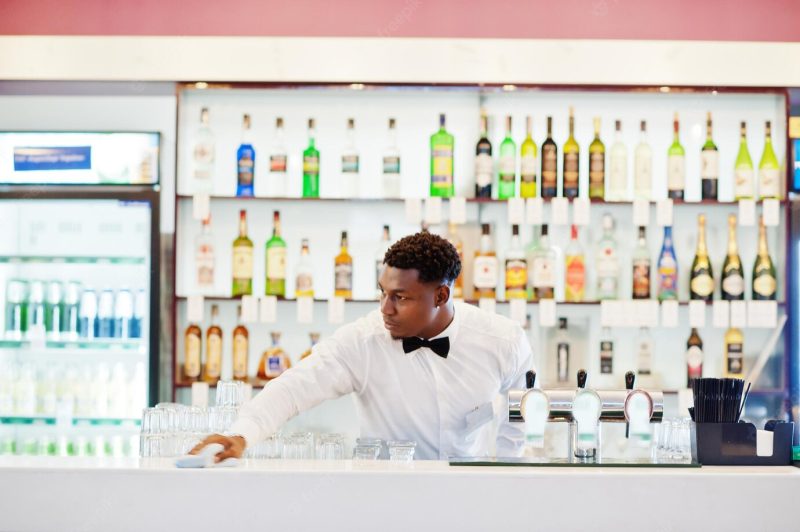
x=402, y=451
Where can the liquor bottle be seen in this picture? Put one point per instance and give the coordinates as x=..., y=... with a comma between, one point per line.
x=549, y=163
x=597, y=164
x=694, y=358
x=350, y=163
x=304, y=282
x=562, y=351
x=709, y=164
x=277, y=162
x=242, y=260
x=744, y=186
x=274, y=361
x=241, y=348
x=204, y=257
x=643, y=166
x=343, y=271
x=618, y=178
x=667, y=268
x=485, y=267
x=575, y=269
x=507, y=174
x=314, y=338
x=606, y=352
x=213, y=365
x=455, y=240
x=483, y=162
x=676, y=164
x=245, y=162
x=276, y=260
x=442, y=146
x=516, y=268
x=701, y=278
x=732, y=284
x=544, y=268
x=644, y=358
x=311, y=164
x=571, y=157
x=607, y=262
x=734, y=354
x=380, y=254
x=527, y=163
x=203, y=155
x=641, y=267
x=391, y=164
x=192, y=349
x=765, y=280
x=53, y=310
x=768, y=169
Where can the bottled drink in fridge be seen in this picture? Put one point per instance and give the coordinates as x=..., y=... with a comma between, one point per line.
x=70, y=318
x=123, y=314
x=87, y=314
x=104, y=323
x=139, y=313
x=36, y=308
x=53, y=310
x=16, y=309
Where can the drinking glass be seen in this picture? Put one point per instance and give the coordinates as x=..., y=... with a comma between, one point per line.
x=330, y=447
x=401, y=451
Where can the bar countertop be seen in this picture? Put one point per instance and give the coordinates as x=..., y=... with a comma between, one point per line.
x=49, y=493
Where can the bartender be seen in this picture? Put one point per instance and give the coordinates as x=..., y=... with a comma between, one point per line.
x=422, y=367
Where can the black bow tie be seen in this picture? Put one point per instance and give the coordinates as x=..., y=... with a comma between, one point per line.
x=440, y=346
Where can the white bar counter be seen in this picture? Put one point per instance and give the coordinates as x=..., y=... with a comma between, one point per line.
x=91, y=494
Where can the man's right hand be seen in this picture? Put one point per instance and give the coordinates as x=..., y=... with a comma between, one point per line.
x=234, y=446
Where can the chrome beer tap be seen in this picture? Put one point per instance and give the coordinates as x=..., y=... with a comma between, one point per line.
x=587, y=408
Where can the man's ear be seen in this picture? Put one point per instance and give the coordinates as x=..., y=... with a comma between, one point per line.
x=442, y=295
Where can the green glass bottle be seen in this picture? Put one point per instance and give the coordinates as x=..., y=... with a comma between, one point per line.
x=676, y=164
x=765, y=278
x=570, y=188
x=743, y=187
x=242, y=260
x=507, y=173
x=709, y=167
x=442, y=146
x=597, y=164
x=527, y=164
x=768, y=169
x=311, y=165
x=276, y=261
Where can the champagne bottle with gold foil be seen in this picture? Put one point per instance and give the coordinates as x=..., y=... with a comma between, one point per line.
x=701, y=284
x=571, y=157
x=765, y=279
x=732, y=279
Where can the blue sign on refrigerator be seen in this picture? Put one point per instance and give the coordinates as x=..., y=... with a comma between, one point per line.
x=32, y=158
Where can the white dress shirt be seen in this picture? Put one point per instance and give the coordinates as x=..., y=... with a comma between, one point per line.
x=416, y=396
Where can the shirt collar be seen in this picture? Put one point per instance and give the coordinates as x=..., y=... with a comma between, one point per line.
x=451, y=330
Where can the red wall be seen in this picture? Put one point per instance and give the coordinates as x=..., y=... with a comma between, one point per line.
x=731, y=20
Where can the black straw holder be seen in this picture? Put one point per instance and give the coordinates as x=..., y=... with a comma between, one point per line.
x=735, y=444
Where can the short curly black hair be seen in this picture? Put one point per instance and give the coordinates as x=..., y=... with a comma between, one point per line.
x=432, y=256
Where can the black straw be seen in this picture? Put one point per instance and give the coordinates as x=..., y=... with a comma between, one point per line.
x=717, y=400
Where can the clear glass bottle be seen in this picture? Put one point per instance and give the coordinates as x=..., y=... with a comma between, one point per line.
x=350, y=162
x=575, y=269
x=485, y=267
x=644, y=358
x=643, y=166
x=392, y=182
x=606, y=352
x=618, y=175
x=204, y=257
x=304, y=282
x=544, y=268
x=607, y=262
x=278, y=181
x=203, y=155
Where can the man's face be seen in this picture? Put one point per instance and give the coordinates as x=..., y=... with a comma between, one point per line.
x=408, y=305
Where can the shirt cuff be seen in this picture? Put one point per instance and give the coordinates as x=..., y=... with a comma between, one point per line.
x=248, y=429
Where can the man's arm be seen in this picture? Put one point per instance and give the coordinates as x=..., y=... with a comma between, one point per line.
x=510, y=436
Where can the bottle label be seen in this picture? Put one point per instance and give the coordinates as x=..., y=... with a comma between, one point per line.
x=485, y=272
x=641, y=279
x=765, y=285
x=277, y=164
x=709, y=164
x=310, y=164
x=733, y=285
x=543, y=273
x=304, y=285
x=571, y=170
x=667, y=278
x=527, y=170
x=643, y=171
x=276, y=263
x=203, y=160
x=607, y=263
x=192, y=356
x=619, y=174
x=575, y=276
x=744, y=182
x=242, y=262
x=676, y=172
x=349, y=164
x=768, y=180
x=694, y=361
x=597, y=169
x=240, y=352
x=508, y=168
x=734, y=358
x=391, y=164
x=274, y=366
x=549, y=166
x=246, y=165
x=483, y=170
x=205, y=264
x=343, y=276
x=645, y=357
x=702, y=284
x=516, y=279
x=214, y=356
x=442, y=174
x=606, y=357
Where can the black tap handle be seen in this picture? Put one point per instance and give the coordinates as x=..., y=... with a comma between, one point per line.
x=630, y=378
x=582, y=378
x=530, y=379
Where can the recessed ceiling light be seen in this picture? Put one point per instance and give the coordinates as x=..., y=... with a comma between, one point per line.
x=664, y=89
x=509, y=88
x=357, y=86
x=201, y=85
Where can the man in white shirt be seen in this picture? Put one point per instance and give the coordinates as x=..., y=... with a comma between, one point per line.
x=422, y=367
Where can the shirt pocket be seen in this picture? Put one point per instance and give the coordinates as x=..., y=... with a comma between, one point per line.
x=478, y=419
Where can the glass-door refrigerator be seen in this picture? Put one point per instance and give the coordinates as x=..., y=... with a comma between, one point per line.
x=79, y=262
